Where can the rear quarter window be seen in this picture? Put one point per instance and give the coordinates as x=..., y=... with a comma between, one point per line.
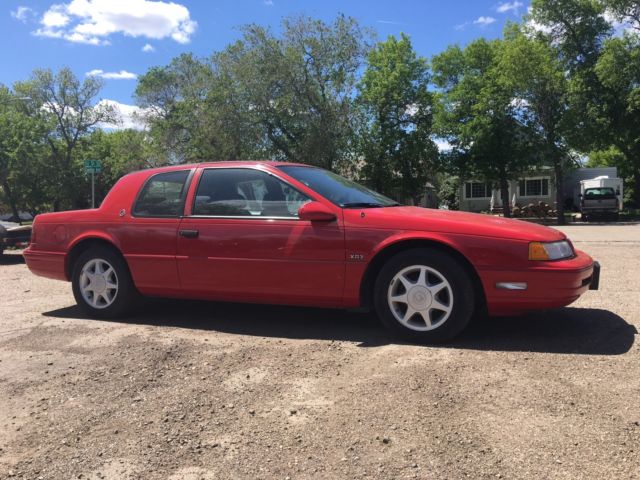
x=162, y=195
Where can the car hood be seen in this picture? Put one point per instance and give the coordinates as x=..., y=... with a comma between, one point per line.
x=447, y=221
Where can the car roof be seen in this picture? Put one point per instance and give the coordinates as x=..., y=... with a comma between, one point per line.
x=228, y=163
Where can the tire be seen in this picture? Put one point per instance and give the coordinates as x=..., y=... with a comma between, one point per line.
x=110, y=302
x=444, y=301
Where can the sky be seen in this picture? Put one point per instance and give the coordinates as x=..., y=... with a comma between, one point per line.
x=119, y=40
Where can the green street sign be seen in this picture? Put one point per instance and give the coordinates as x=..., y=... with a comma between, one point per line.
x=92, y=166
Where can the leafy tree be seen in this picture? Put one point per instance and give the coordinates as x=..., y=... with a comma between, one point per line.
x=532, y=68
x=618, y=69
x=121, y=152
x=624, y=11
x=479, y=117
x=23, y=174
x=285, y=97
x=70, y=105
x=612, y=157
x=578, y=29
x=396, y=143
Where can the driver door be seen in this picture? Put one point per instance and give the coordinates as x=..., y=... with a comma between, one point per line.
x=242, y=240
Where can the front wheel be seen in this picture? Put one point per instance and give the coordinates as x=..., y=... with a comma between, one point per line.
x=424, y=296
x=102, y=285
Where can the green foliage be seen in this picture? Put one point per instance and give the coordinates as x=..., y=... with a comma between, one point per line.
x=564, y=81
x=120, y=151
x=68, y=106
x=479, y=117
x=24, y=181
x=395, y=139
x=449, y=191
x=531, y=67
x=282, y=97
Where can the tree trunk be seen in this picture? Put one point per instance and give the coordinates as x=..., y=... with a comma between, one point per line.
x=12, y=202
x=504, y=195
x=636, y=185
x=559, y=174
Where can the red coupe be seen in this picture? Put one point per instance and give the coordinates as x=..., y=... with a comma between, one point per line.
x=272, y=232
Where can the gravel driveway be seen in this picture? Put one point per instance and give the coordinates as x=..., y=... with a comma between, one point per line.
x=196, y=390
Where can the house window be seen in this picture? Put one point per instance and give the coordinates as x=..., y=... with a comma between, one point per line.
x=534, y=187
x=477, y=190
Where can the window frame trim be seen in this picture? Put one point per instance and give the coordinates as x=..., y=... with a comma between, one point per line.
x=183, y=200
x=487, y=190
x=243, y=217
x=542, y=177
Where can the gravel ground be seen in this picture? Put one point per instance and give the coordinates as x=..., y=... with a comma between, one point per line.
x=196, y=390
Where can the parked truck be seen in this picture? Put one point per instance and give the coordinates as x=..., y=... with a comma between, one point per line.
x=600, y=197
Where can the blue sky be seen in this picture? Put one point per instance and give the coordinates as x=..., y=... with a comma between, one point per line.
x=120, y=39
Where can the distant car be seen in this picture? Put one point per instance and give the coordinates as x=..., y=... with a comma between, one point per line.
x=282, y=233
x=14, y=235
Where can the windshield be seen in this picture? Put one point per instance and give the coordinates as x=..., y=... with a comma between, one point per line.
x=599, y=193
x=337, y=189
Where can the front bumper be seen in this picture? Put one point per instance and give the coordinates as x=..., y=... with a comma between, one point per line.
x=548, y=285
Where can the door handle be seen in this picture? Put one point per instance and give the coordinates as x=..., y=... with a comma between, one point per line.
x=189, y=233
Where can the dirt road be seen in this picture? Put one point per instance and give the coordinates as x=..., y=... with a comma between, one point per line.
x=195, y=390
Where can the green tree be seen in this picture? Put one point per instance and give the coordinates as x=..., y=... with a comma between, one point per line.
x=284, y=97
x=531, y=67
x=70, y=105
x=121, y=152
x=396, y=143
x=618, y=69
x=479, y=115
x=578, y=29
x=612, y=157
x=23, y=175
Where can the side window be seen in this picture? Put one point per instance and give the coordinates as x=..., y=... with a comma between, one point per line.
x=162, y=196
x=233, y=192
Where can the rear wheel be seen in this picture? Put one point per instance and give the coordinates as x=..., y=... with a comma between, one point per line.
x=424, y=296
x=102, y=285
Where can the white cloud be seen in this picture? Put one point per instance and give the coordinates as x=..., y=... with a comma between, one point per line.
x=129, y=116
x=121, y=75
x=484, y=21
x=268, y=3
x=535, y=26
x=390, y=22
x=509, y=6
x=148, y=48
x=94, y=21
x=23, y=13
x=619, y=27
x=442, y=144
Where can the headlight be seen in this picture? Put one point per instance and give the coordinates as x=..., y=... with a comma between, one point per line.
x=550, y=251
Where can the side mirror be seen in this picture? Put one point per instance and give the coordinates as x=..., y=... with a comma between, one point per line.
x=316, y=212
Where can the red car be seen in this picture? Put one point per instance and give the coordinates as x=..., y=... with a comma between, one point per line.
x=283, y=233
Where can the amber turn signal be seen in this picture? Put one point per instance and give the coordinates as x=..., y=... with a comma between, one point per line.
x=537, y=251
x=550, y=251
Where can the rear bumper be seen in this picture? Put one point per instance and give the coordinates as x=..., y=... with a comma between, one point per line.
x=46, y=264
x=550, y=285
x=18, y=240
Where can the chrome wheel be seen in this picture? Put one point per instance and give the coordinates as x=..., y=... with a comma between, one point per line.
x=98, y=283
x=420, y=298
